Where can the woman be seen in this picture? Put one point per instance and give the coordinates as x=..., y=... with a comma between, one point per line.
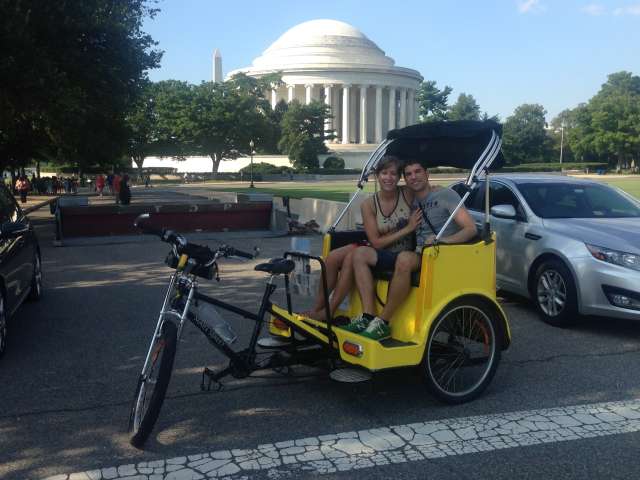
x=389, y=225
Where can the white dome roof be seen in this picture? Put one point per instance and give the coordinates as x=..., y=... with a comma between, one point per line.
x=322, y=43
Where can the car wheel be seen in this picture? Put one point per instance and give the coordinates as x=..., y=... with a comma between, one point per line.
x=36, y=280
x=3, y=326
x=554, y=293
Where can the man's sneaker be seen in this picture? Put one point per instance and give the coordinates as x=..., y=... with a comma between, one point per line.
x=378, y=330
x=358, y=324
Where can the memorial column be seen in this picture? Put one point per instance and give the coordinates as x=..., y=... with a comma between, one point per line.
x=402, y=121
x=363, y=113
x=346, y=89
x=392, y=108
x=378, y=123
x=328, y=122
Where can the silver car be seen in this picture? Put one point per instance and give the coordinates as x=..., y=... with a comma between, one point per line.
x=570, y=245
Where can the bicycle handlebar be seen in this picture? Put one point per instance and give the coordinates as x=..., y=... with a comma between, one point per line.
x=234, y=252
x=180, y=242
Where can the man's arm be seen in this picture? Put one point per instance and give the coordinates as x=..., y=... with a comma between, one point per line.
x=467, y=226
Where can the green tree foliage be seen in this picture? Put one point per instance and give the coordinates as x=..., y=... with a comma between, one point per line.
x=608, y=126
x=432, y=102
x=303, y=133
x=524, y=136
x=69, y=72
x=465, y=108
x=334, y=163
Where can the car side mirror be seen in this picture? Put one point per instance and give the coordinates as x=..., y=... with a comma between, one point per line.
x=13, y=229
x=504, y=211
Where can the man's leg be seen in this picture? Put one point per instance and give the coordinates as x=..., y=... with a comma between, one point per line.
x=364, y=259
x=406, y=263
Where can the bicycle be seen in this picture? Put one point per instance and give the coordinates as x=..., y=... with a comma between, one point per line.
x=182, y=301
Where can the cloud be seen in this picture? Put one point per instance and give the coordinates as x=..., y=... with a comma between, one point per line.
x=529, y=6
x=628, y=10
x=593, y=9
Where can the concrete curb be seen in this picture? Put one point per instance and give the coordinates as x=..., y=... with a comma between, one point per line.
x=38, y=205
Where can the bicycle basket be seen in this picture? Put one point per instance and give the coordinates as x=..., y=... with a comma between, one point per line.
x=199, y=270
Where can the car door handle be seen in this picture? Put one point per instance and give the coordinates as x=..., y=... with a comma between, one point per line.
x=532, y=236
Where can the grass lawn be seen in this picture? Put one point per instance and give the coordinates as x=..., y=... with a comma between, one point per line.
x=336, y=191
x=340, y=191
x=631, y=185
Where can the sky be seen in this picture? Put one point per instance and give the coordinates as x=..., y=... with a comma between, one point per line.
x=503, y=52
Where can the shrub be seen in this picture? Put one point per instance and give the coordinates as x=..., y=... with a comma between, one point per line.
x=555, y=167
x=334, y=163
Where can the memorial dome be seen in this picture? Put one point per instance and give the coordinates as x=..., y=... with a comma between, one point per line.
x=322, y=43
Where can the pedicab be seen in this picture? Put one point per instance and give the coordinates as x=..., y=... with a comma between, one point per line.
x=450, y=326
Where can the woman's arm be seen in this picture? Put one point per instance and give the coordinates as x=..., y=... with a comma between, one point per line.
x=379, y=239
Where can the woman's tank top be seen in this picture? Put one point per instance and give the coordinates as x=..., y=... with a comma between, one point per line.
x=396, y=220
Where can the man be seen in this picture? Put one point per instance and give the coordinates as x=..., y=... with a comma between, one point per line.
x=436, y=206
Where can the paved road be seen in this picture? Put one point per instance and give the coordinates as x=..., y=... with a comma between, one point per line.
x=67, y=380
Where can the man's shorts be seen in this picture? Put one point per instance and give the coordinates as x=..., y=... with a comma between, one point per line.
x=386, y=260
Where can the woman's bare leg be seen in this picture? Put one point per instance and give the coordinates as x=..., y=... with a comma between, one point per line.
x=343, y=287
x=333, y=264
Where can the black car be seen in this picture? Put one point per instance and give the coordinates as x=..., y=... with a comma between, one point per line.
x=20, y=266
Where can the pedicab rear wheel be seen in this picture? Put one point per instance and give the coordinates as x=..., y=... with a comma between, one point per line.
x=462, y=351
x=152, y=385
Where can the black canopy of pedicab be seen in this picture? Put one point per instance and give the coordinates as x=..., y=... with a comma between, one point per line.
x=457, y=144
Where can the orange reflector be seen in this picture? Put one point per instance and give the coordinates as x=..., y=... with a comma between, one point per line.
x=352, y=349
x=279, y=324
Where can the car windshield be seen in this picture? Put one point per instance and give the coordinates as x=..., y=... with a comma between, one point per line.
x=570, y=200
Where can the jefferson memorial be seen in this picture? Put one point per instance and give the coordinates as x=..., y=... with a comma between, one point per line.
x=332, y=62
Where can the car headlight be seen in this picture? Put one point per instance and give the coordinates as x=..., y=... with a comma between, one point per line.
x=616, y=257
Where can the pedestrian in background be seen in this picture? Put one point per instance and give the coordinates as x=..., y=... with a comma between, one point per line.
x=22, y=186
x=125, y=191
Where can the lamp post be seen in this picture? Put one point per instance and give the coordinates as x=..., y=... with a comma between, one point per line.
x=561, y=141
x=251, y=145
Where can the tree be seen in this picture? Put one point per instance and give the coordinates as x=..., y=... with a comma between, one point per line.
x=614, y=117
x=142, y=127
x=69, y=73
x=432, y=102
x=334, y=163
x=465, y=108
x=524, y=135
x=303, y=133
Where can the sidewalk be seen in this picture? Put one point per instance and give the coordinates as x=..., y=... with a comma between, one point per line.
x=35, y=202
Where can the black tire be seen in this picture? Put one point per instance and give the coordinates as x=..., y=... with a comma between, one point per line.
x=3, y=326
x=150, y=393
x=554, y=293
x=463, y=351
x=36, y=281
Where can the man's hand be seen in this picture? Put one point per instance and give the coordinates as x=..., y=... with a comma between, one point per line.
x=430, y=240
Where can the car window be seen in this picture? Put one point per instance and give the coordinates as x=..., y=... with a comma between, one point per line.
x=459, y=188
x=570, y=200
x=475, y=199
x=501, y=194
x=8, y=207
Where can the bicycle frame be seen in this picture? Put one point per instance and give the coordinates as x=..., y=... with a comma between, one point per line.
x=241, y=362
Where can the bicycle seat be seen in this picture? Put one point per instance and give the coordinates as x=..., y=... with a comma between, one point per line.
x=276, y=266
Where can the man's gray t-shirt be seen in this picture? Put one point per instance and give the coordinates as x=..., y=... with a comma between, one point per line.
x=438, y=206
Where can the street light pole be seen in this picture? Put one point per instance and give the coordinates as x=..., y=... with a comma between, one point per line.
x=251, y=145
x=561, y=140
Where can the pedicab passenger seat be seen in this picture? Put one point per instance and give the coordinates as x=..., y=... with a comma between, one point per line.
x=347, y=237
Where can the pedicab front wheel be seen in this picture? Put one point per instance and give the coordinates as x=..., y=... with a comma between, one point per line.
x=152, y=386
x=462, y=351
